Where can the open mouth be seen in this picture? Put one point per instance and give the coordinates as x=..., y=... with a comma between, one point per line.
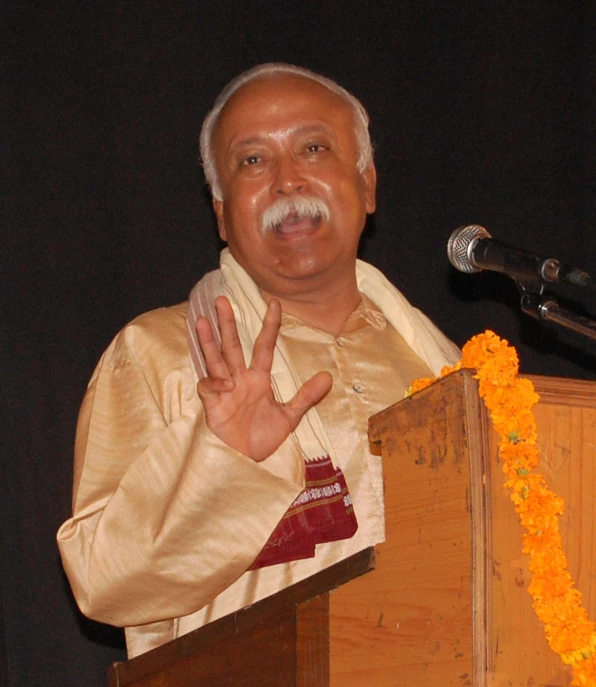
x=295, y=223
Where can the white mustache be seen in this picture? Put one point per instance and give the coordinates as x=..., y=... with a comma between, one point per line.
x=302, y=206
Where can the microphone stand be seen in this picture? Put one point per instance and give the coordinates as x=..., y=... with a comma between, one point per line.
x=545, y=308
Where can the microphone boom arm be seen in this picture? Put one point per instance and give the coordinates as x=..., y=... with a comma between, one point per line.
x=545, y=308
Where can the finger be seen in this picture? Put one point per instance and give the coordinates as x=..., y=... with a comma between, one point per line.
x=213, y=386
x=231, y=348
x=308, y=396
x=216, y=366
x=262, y=357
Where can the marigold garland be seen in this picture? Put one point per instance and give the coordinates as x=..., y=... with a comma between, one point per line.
x=509, y=400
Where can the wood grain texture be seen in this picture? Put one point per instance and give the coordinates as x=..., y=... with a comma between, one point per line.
x=566, y=417
x=560, y=391
x=312, y=626
x=411, y=621
x=281, y=641
x=448, y=602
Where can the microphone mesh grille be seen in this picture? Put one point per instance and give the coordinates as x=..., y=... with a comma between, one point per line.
x=460, y=245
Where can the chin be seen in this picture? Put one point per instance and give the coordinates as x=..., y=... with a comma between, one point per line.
x=318, y=271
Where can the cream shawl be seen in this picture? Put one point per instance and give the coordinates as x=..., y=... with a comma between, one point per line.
x=232, y=281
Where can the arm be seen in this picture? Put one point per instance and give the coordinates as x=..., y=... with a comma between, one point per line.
x=165, y=515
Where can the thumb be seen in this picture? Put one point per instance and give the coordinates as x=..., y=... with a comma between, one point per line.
x=307, y=396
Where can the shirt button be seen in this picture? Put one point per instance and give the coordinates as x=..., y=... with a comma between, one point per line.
x=358, y=389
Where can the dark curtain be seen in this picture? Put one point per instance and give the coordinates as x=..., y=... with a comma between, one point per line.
x=482, y=112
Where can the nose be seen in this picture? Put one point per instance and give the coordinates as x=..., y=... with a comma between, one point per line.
x=288, y=178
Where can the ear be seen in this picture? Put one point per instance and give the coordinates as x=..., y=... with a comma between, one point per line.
x=369, y=178
x=219, y=213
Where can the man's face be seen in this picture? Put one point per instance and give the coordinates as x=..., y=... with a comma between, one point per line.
x=281, y=138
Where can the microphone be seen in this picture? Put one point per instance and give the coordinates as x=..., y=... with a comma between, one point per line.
x=471, y=249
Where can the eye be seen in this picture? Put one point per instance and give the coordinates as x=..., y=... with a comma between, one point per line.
x=249, y=160
x=316, y=148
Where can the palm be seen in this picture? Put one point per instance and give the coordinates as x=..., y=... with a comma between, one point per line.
x=240, y=407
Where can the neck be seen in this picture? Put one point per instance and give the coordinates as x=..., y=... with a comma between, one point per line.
x=326, y=309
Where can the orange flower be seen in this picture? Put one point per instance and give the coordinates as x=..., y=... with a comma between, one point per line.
x=420, y=384
x=509, y=400
x=584, y=673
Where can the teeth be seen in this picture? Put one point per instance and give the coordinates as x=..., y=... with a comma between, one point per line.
x=290, y=211
x=296, y=223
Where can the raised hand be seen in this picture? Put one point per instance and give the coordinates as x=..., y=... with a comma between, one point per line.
x=240, y=407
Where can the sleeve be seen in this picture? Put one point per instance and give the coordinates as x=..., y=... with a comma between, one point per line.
x=165, y=516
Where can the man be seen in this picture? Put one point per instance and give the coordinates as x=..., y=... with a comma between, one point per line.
x=189, y=500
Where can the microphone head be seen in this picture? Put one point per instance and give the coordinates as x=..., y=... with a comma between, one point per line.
x=460, y=245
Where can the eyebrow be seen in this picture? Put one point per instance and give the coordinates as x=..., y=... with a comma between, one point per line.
x=315, y=129
x=301, y=131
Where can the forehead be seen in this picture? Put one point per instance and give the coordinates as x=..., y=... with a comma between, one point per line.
x=268, y=104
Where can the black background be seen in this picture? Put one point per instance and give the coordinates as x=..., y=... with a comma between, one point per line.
x=482, y=112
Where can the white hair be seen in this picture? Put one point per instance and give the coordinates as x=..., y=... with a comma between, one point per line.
x=263, y=71
x=300, y=206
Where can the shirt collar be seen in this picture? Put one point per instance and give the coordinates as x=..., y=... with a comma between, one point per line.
x=367, y=313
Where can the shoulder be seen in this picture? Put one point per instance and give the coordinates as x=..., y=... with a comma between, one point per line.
x=150, y=355
x=163, y=323
x=158, y=335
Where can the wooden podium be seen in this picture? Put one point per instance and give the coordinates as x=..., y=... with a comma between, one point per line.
x=443, y=600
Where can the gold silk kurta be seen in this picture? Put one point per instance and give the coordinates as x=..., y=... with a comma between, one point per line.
x=166, y=518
